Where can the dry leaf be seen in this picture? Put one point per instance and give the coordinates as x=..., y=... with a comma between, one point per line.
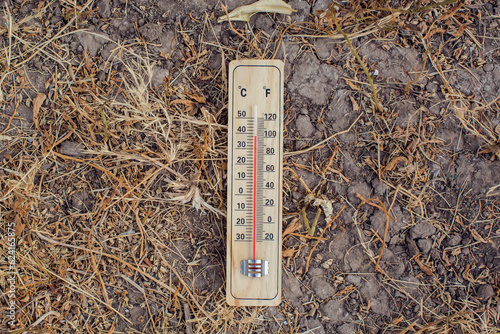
x=446, y=259
x=369, y=162
x=37, y=103
x=460, y=31
x=187, y=103
x=479, y=238
x=345, y=290
x=148, y=262
x=467, y=275
x=244, y=13
x=19, y=229
x=432, y=32
x=452, y=11
x=393, y=163
x=351, y=84
x=289, y=252
x=427, y=270
x=193, y=195
x=199, y=55
x=327, y=264
x=355, y=105
x=88, y=62
x=294, y=226
x=165, y=55
x=326, y=206
x=197, y=98
x=410, y=168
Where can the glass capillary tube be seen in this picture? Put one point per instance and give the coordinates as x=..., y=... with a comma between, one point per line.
x=254, y=237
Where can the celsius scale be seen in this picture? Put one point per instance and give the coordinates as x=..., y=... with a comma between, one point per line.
x=255, y=172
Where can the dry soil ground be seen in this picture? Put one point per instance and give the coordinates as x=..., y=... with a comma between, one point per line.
x=113, y=165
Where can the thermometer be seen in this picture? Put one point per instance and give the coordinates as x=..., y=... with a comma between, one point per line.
x=254, y=196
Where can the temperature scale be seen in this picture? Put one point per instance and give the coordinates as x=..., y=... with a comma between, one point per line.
x=255, y=143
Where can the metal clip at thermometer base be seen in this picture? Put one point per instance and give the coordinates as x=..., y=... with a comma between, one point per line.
x=255, y=168
x=254, y=268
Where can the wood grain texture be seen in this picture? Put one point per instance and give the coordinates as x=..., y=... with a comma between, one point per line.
x=254, y=86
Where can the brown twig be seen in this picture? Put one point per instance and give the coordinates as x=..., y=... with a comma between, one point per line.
x=387, y=216
x=261, y=55
x=358, y=58
x=321, y=236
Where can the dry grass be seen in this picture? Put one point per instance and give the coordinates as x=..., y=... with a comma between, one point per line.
x=101, y=220
x=103, y=185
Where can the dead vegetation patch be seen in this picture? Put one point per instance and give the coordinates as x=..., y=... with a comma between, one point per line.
x=115, y=175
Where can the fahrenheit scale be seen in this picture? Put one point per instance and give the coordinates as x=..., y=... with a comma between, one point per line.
x=255, y=136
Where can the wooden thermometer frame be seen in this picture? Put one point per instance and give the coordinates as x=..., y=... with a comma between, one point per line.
x=255, y=174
